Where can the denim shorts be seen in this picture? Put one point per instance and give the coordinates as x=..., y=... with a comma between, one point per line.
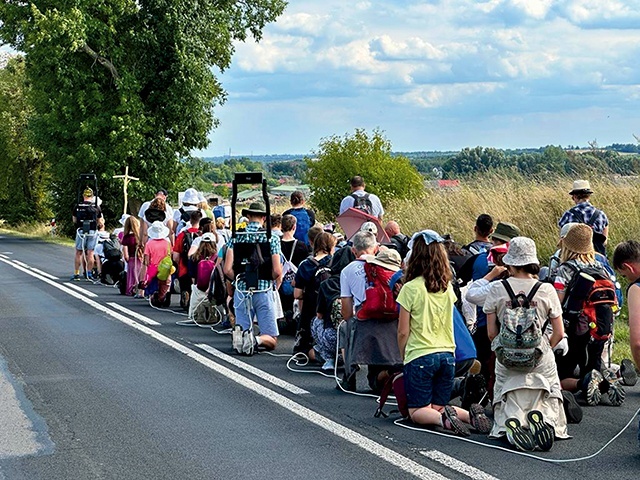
x=87, y=241
x=262, y=306
x=429, y=379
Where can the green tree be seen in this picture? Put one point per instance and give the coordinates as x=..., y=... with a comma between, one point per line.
x=340, y=158
x=126, y=82
x=23, y=171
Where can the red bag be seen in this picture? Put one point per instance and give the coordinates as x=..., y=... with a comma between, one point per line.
x=203, y=275
x=379, y=303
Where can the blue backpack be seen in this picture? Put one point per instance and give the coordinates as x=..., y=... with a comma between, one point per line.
x=218, y=211
x=303, y=224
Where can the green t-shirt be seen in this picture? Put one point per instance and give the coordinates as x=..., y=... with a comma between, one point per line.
x=431, y=324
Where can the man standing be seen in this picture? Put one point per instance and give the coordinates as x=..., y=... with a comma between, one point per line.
x=254, y=292
x=359, y=199
x=305, y=217
x=85, y=217
x=482, y=230
x=584, y=212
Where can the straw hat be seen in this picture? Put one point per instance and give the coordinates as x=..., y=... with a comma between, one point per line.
x=579, y=239
x=522, y=251
x=157, y=230
x=581, y=186
x=387, y=258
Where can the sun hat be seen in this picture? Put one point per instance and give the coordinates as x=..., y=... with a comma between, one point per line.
x=579, y=239
x=429, y=236
x=581, y=186
x=157, y=230
x=190, y=197
x=123, y=218
x=505, y=231
x=387, y=258
x=369, y=227
x=201, y=198
x=255, y=208
x=208, y=238
x=566, y=227
x=522, y=251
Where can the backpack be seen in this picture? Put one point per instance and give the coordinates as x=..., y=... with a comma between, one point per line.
x=589, y=302
x=205, y=269
x=111, y=249
x=87, y=212
x=187, y=241
x=362, y=202
x=185, y=219
x=322, y=274
x=599, y=239
x=395, y=384
x=379, y=300
x=155, y=215
x=401, y=243
x=336, y=312
x=303, y=223
x=218, y=211
x=517, y=345
x=289, y=271
x=217, y=287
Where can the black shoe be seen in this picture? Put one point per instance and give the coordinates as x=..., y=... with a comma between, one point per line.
x=572, y=410
x=542, y=432
x=348, y=383
x=519, y=437
x=628, y=373
x=475, y=389
x=302, y=343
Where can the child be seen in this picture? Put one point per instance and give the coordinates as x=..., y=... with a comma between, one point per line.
x=526, y=395
x=132, y=253
x=426, y=339
x=199, y=305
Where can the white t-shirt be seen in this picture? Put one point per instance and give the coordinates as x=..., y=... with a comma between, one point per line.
x=353, y=282
x=376, y=205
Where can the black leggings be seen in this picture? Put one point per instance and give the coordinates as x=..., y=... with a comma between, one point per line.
x=584, y=352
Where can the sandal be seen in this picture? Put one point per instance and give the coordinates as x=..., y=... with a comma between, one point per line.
x=478, y=418
x=450, y=421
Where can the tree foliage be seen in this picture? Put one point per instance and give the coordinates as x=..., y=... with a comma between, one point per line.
x=340, y=158
x=23, y=170
x=126, y=82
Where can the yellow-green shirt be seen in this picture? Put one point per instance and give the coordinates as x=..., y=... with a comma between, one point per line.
x=431, y=323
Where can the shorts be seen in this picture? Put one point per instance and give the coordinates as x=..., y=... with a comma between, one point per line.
x=86, y=242
x=263, y=307
x=429, y=379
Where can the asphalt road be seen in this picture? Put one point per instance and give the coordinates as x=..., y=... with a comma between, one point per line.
x=88, y=390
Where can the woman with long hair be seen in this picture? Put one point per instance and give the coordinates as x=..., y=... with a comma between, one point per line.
x=426, y=339
x=131, y=253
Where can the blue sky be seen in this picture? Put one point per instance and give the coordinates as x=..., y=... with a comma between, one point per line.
x=436, y=75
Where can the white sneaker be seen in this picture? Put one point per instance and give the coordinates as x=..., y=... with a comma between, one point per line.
x=248, y=342
x=236, y=339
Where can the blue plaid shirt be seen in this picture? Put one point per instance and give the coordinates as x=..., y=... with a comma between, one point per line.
x=584, y=211
x=254, y=233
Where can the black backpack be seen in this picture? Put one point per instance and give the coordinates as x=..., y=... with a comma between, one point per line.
x=187, y=241
x=111, y=249
x=322, y=274
x=362, y=202
x=401, y=243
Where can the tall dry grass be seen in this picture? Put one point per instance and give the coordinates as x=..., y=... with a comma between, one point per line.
x=534, y=205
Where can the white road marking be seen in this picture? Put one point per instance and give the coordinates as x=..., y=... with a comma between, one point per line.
x=133, y=314
x=81, y=290
x=44, y=274
x=251, y=369
x=384, y=453
x=457, y=465
x=5, y=254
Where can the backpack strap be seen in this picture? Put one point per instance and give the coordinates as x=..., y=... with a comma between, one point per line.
x=293, y=249
x=533, y=291
x=507, y=287
x=575, y=211
x=593, y=217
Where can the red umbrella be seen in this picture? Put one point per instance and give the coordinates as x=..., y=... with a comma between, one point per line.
x=352, y=219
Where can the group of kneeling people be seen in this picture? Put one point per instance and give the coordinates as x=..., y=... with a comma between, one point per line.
x=546, y=332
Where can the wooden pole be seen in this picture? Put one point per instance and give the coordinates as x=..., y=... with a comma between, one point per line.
x=126, y=179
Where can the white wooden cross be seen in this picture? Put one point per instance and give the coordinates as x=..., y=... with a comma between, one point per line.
x=126, y=179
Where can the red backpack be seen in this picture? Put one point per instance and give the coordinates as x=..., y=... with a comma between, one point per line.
x=379, y=303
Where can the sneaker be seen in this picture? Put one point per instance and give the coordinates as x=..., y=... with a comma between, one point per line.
x=614, y=390
x=75, y=278
x=329, y=365
x=475, y=389
x=591, y=387
x=479, y=419
x=628, y=373
x=518, y=436
x=451, y=422
x=236, y=339
x=572, y=410
x=543, y=433
x=249, y=345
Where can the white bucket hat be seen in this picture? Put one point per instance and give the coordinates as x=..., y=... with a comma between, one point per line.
x=157, y=230
x=190, y=196
x=123, y=219
x=522, y=251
